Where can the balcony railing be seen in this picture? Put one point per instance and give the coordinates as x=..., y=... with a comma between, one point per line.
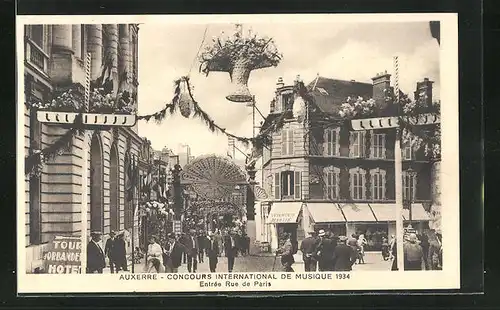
x=36, y=56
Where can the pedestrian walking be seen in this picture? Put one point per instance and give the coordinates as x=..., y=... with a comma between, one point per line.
x=424, y=243
x=309, y=248
x=191, y=246
x=344, y=255
x=173, y=252
x=362, y=242
x=95, y=255
x=218, y=238
x=120, y=252
x=325, y=252
x=154, y=256
x=286, y=253
x=231, y=249
x=201, y=238
x=413, y=254
x=109, y=252
x=212, y=250
x=183, y=239
x=434, y=252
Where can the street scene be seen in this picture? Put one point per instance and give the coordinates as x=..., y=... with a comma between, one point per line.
x=232, y=147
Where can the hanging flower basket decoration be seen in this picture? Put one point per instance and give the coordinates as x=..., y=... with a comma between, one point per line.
x=185, y=101
x=239, y=55
x=157, y=208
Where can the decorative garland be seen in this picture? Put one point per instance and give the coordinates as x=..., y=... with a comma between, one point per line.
x=154, y=207
x=33, y=162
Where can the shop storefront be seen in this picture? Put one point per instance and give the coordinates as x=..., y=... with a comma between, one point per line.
x=326, y=216
x=286, y=217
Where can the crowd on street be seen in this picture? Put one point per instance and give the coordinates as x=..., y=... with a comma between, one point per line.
x=323, y=251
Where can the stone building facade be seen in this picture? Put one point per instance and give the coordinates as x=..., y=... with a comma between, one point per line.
x=319, y=176
x=54, y=62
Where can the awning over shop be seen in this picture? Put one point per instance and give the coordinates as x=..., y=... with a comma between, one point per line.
x=418, y=213
x=384, y=212
x=357, y=212
x=325, y=213
x=284, y=212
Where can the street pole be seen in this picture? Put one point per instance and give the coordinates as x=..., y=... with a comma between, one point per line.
x=85, y=168
x=398, y=172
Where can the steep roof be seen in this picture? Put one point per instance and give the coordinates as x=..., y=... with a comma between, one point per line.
x=330, y=93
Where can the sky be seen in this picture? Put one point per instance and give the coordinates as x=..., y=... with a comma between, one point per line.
x=346, y=51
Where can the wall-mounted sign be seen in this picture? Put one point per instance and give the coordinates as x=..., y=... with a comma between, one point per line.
x=63, y=256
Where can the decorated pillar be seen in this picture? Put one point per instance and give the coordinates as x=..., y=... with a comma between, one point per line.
x=94, y=46
x=76, y=36
x=124, y=61
x=250, y=226
x=111, y=51
x=62, y=37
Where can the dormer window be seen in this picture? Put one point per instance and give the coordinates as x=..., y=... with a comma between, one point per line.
x=286, y=101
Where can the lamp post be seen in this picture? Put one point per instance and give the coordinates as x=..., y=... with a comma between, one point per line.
x=411, y=183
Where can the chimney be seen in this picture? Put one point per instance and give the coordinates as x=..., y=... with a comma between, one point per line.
x=280, y=83
x=424, y=91
x=381, y=84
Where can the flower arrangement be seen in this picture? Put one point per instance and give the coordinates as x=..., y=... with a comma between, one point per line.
x=239, y=55
x=154, y=206
x=357, y=107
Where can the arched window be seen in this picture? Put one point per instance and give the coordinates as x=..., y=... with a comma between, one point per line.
x=114, y=190
x=96, y=185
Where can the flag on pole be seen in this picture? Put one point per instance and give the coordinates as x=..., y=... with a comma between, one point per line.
x=230, y=145
x=131, y=174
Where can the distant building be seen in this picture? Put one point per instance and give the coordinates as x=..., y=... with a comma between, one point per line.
x=327, y=177
x=184, y=153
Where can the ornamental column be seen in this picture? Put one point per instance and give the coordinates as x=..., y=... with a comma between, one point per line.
x=62, y=37
x=76, y=35
x=124, y=61
x=94, y=46
x=111, y=51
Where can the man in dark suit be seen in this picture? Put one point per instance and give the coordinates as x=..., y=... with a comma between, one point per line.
x=191, y=245
x=201, y=245
x=344, y=255
x=325, y=252
x=212, y=249
x=109, y=251
x=95, y=255
x=309, y=248
x=231, y=249
x=173, y=254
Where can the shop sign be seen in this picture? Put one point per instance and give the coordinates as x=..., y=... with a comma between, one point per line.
x=63, y=256
x=282, y=218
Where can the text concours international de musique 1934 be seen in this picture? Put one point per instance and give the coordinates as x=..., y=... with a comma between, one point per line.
x=235, y=280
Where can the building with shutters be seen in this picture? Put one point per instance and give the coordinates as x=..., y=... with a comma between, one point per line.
x=319, y=176
x=54, y=63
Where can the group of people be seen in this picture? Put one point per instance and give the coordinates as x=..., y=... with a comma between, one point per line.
x=322, y=251
x=193, y=248
x=421, y=252
x=114, y=250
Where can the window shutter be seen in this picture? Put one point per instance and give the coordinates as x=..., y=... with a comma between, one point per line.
x=372, y=144
x=326, y=142
x=337, y=142
x=415, y=183
x=297, y=184
x=290, y=142
x=277, y=194
x=363, y=186
x=351, y=144
x=351, y=183
x=362, y=144
x=383, y=146
x=283, y=142
x=383, y=185
x=372, y=185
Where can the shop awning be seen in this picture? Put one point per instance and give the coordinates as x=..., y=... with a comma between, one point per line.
x=325, y=212
x=384, y=212
x=357, y=212
x=284, y=212
x=418, y=213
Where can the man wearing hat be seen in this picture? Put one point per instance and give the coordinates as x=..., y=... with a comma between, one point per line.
x=325, y=252
x=309, y=247
x=120, y=252
x=286, y=253
x=95, y=255
x=344, y=255
x=173, y=254
x=191, y=246
x=110, y=252
x=231, y=248
x=212, y=249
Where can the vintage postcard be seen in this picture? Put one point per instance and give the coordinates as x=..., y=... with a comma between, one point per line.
x=214, y=153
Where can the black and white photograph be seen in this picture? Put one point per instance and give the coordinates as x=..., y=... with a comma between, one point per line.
x=237, y=152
